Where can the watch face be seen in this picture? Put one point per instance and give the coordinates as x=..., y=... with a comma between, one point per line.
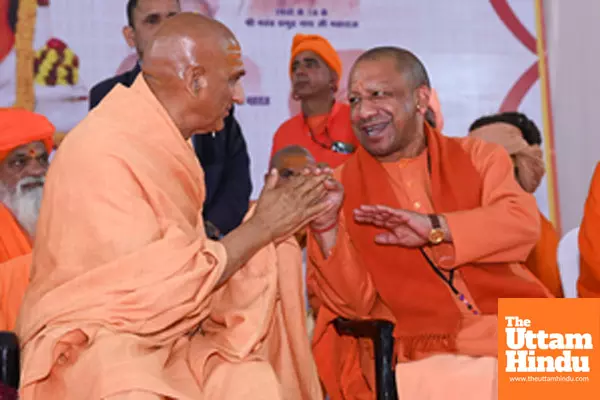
x=436, y=236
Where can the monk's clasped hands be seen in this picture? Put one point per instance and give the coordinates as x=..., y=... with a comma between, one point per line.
x=286, y=206
x=327, y=220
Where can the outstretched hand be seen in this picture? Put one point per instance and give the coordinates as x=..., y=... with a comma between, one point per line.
x=404, y=228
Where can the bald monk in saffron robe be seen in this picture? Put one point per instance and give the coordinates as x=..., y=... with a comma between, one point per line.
x=25, y=142
x=588, y=284
x=522, y=139
x=128, y=298
x=430, y=232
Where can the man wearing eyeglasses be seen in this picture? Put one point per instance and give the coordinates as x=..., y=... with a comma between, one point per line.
x=323, y=125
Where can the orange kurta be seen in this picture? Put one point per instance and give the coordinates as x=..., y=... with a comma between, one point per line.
x=14, y=241
x=542, y=261
x=588, y=284
x=336, y=126
x=344, y=286
x=14, y=278
x=122, y=298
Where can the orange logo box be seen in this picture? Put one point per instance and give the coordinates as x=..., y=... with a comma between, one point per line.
x=548, y=349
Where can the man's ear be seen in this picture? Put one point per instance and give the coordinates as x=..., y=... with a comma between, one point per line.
x=129, y=35
x=334, y=81
x=195, y=79
x=423, y=93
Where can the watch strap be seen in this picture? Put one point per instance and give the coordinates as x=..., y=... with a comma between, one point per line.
x=435, y=221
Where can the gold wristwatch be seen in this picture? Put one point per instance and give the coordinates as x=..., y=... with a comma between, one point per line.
x=436, y=236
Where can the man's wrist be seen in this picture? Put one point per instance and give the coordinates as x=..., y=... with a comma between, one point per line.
x=261, y=229
x=324, y=227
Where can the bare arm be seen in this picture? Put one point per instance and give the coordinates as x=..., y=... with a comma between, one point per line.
x=241, y=244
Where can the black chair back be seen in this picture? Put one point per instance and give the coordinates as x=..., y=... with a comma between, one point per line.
x=10, y=368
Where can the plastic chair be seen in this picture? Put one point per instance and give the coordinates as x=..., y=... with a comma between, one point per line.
x=568, y=262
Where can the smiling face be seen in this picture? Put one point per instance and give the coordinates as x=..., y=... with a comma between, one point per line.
x=386, y=110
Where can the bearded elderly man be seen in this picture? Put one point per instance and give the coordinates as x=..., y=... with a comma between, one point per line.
x=25, y=143
x=428, y=232
x=128, y=297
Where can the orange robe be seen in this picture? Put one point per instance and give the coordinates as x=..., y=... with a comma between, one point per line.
x=346, y=289
x=588, y=284
x=336, y=126
x=14, y=278
x=542, y=261
x=14, y=241
x=122, y=300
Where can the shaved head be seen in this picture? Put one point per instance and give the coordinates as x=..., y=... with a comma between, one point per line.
x=389, y=94
x=291, y=160
x=193, y=65
x=288, y=152
x=407, y=63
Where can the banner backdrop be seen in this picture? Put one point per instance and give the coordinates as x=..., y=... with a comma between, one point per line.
x=482, y=56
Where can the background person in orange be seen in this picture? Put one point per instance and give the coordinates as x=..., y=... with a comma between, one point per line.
x=323, y=126
x=25, y=142
x=588, y=284
x=128, y=297
x=522, y=139
x=431, y=231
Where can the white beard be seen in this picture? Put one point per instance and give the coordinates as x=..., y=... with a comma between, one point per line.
x=24, y=204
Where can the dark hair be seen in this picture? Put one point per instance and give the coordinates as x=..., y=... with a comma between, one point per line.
x=131, y=6
x=406, y=62
x=528, y=128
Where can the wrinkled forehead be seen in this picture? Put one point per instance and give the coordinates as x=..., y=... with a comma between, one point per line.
x=233, y=51
x=27, y=150
x=383, y=71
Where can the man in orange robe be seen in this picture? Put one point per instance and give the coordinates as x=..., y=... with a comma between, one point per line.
x=25, y=143
x=128, y=298
x=588, y=284
x=522, y=139
x=430, y=232
x=323, y=126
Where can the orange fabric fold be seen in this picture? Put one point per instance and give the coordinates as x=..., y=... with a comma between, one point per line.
x=428, y=298
x=122, y=297
x=14, y=241
x=14, y=278
x=588, y=284
x=542, y=261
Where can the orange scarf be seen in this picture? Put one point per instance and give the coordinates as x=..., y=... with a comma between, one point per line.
x=428, y=317
x=14, y=242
